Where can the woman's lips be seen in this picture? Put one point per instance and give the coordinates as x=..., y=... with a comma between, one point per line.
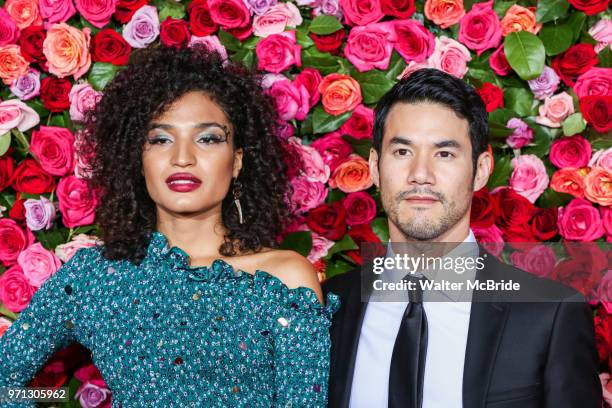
x=183, y=182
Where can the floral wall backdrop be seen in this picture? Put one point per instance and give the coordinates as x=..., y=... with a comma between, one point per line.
x=543, y=68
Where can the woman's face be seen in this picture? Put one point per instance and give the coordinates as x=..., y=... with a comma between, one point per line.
x=188, y=158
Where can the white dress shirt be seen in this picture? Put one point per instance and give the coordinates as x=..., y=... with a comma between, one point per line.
x=447, y=323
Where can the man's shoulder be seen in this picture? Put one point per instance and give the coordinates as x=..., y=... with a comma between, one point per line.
x=342, y=283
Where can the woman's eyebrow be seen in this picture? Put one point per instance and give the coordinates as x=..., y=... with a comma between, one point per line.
x=202, y=125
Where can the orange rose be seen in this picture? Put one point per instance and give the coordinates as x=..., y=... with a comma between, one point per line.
x=599, y=186
x=570, y=181
x=352, y=175
x=67, y=50
x=12, y=63
x=24, y=12
x=339, y=94
x=519, y=18
x=444, y=13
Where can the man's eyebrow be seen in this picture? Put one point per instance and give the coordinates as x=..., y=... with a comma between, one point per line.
x=202, y=125
x=448, y=143
x=444, y=143
x=400, y=140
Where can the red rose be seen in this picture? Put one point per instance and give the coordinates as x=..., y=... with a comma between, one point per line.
x=30, y=178
x=575, y=273
x=13, y=240
x=126, y=9
x=360, y=208
x=310, y=78
x=229, y=13
x=31, y=45
x=17, y=211
x=492, y=96
x=511, y=208
x=53, y=147
x=590, y=7
x=519, y=236
x=603, y=334
x=360, y=124
x=361, y=234
x=328, y=220
x=54, y=93
x=544, y=224
x=499, y=63
x=398, y=8
x=333, y=149
x=7, y=168
x=482, y=214
x=200, y=22
x=241, y=33
x=597, y=111
x=174, y=33
x=330, y=42
x=109, y=46
x=577, y=60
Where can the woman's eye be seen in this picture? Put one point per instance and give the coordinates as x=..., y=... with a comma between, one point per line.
x=210, y=139
x=157, y=140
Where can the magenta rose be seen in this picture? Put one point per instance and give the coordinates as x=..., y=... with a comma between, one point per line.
x=13, y=240
x=229, y=13
x=522, y=135
x=572, y=151
x=450, y=56
x=370, y=46
x=9, y=32
x=310, y=78
x=529, y=177
x=333, y=149
x=306, y=194
x=580, y=221
x=361, y=12
x=606, y=217
x=91, y=395
x=491, y=238
x=56, y=11
x=360, y=208
x=278, y=52
x=97, y=12
x=538, y=260
x=15, y=291
x=77, y=203
x=292, y=102
x=596, y=81
x=38, y=264
x=53, y=147
x=499, y=63
x=480, y=28
x=360, y=123
x=412, y=40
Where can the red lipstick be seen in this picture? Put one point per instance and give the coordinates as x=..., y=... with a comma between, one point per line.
x=183, y=182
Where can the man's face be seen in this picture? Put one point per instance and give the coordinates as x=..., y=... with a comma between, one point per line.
x=425, y=172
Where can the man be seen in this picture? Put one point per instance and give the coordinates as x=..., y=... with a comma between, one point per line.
x=429, y=155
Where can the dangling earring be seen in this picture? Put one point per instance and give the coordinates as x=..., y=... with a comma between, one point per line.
x=237, y=193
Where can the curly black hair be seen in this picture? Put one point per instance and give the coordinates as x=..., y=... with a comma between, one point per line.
x=117, y=127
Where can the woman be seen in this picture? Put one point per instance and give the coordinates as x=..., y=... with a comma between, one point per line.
x=187, y=302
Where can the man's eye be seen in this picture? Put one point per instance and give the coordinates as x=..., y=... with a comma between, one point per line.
x=401, y=152
x=210, y=139
x=445, y=154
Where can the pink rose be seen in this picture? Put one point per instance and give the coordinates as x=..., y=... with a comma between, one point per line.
x=361, y=12
x=82, y=99
x=276, y=19
x=5, y=324
x=571, y=151
x=97, y=12
x=56, y=11
x=53, y=147
x=450, y=56
x=580, y=221
x=38, y=264
x=67, y=50
x=413, y=41
x=9, y=32
x=143, y=28
x=602, y=33
x=555, y=109
x=413, y=67
x=491, y=238
x=229, y=13
x=360, y=124
x=369, y=47
x=66, y=251
x=522, y=135
x=77, y=203
x=538, y=259
x=360, y=208
x=602, y=158
x=529, y=177
x=292, y=102
x=333, y=149
x=24, y=13
x=306, y=194
x=596, y=81
x=13, y=240
x=312, y=165
x=499, y=63
x=604, y=292
x=278, y=52
x=211, y=42
x=310, y=78
x=16, y=114
x=606, y=217
x=15, y=291
x=91, y=395
x=320, y=247
x=39, y=213
x=480, y=29
x=598, y=186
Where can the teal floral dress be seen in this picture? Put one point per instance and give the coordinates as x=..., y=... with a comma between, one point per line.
x=167, y=334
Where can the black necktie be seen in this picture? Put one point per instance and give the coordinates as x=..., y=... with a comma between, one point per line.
x=408, y=358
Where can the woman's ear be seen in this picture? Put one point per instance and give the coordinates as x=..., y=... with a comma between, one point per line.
x=238, y=154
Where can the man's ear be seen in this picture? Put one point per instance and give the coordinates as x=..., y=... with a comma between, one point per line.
x=373, y=163
x=483, y=170
x=238, y=154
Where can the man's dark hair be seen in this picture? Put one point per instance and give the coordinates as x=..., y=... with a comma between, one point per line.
x=435, y=86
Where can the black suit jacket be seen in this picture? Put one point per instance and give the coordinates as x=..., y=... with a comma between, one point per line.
x=518, y=355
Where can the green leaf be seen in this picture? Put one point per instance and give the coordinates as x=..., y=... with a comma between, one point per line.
x=519, y=100
x=374, y=84
x=5, y=142
x=501, y=172
x=324, y=24
x=5, y=312
x=229, y=41
x=251, y=43
x=345, y=244
x=334, y=195
x=360, y=146
x=380, y=226
x=501, y=7
x=38, y=106
x=101, y=74
x=323, y=61
x=172, y=9
x=556, y=38
x=244, y=56
x=497, y=123
x=302, y=37
x=543, y=137
x=525, y=53
x=601, y=143
x=299, y=241
x=549, y=10
x=323, y=122
x=7, y=200
x=338, y=267
x=605, y=58
x=396, y=66
x=573, y=124
x=52, y=238
x=575, y=21
x=552, y=199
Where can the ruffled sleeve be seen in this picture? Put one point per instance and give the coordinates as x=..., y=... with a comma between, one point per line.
x=300, y=332
x=46, y=325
